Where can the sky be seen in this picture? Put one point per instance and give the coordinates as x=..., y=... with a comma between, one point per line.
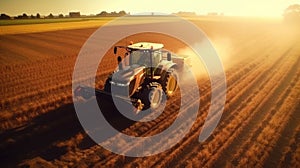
x=263, y=8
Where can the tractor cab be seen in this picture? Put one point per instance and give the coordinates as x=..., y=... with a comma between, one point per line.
x=149, y=55
x=144, y=54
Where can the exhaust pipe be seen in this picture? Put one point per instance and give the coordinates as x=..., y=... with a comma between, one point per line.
x=120, y=63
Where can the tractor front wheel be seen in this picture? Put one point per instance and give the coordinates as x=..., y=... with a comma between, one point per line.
x=152, y=96
x=155, y=96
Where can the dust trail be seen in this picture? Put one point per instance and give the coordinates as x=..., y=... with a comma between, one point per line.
x=222, y=47
x=197, y=66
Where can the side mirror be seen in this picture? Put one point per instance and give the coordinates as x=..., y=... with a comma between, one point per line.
x=169, y=57
x=115, y=50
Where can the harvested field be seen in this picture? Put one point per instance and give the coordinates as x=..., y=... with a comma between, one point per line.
x=259, y=127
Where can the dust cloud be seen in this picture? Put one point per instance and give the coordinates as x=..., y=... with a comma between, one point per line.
x=221, y=45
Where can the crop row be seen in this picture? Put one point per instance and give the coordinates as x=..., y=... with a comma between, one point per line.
x=257, y=150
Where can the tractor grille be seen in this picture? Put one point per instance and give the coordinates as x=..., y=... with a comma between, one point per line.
x=119, y=90
x=123, y=89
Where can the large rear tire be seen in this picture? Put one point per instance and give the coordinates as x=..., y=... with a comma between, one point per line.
x=170, y=82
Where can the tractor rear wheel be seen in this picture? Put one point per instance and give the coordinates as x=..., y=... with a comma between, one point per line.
x=169, y=83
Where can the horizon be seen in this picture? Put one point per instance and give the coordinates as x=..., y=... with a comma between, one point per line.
x=266, y=8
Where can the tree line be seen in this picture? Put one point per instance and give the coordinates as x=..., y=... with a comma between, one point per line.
x=4, y=16
x=292, y=14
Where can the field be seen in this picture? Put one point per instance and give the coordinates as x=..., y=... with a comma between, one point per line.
x=259, y=127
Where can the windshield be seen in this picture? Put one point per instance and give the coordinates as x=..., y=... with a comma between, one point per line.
x=142, y=57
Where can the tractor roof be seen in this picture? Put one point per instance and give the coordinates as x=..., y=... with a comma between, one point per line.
x=146, y=46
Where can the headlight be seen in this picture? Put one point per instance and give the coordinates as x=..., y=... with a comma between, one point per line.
x=119, y=84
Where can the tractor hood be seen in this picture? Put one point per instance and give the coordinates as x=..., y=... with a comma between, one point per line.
x=124, y=77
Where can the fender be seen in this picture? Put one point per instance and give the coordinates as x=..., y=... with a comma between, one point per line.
x=165, y=67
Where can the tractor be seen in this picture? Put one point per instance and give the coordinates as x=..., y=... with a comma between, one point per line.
x=146, y=76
